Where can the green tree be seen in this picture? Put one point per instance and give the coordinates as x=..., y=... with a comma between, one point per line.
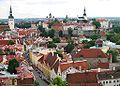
x=118, y=42
x=85, y=41
x=40, y=27
x=13, y=64
x=114, y=55
x=115, y=38
x=95, y=36
x=52, y=45
x=97, y=24
x=36, y=83
x=11, y=42
x=69, y=47
x=23, y=25
x=90, y=44
x=58, y=82
x=109, y=35
x=56, y=40
x=44, y=34
x=61, y=33
x=51, y=33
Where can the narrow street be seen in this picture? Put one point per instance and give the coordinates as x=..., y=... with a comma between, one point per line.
x=39, y=79
x=38, y=75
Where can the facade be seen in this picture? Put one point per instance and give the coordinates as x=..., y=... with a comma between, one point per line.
x=11, y=20
x=105, y=24
x=109, y=78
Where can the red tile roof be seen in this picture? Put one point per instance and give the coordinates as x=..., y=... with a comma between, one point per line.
x=4, y=26
x=101, y=20
x=103, y=33
x=57, y=27
x=65, y=65
x=91, y=53
x=103, y=65
x=4, y=42
x=1, y=58
x=82, y=79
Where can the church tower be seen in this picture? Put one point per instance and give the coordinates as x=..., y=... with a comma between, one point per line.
x=84, y=14
x=11, y=20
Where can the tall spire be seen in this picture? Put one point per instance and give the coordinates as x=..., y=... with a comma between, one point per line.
x=11, y=16
x=84, y=14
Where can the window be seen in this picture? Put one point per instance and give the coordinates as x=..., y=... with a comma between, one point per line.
x=109, y=81
x=106, y=82
x=117, y=80
x=114, y=81
x=103, y=82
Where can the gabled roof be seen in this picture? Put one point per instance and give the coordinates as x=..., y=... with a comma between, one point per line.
x=91, y=53
x=77, y=65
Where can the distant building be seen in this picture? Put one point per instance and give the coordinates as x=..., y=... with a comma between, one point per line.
x=95, y=57
x=11, y=20
x=83, y=18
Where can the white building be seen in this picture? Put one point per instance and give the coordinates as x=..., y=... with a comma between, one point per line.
x=109, y=78
x=105, y=24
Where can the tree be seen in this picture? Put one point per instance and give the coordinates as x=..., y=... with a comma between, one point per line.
x=118, y=42
x=95, y=36
x=11, y=42
x=36, y=83
x=69, y=48
x=40, y=27
x=51, y=33
x=51, y=45
x=23, y=25
x=85, y=41
x=61, y=33
x=109, y=35
x=114, y=55
x=44, y=34
x=58, y=82
x=56, y=40
x=97, y=24
x=13, y=64
x=90, y=44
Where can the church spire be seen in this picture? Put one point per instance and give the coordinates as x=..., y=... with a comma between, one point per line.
x=11, y=16
x=84, y=14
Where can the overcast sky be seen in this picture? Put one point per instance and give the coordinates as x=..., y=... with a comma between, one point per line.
x=60, y=8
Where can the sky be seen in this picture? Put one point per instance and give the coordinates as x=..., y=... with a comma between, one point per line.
x=59, y=8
